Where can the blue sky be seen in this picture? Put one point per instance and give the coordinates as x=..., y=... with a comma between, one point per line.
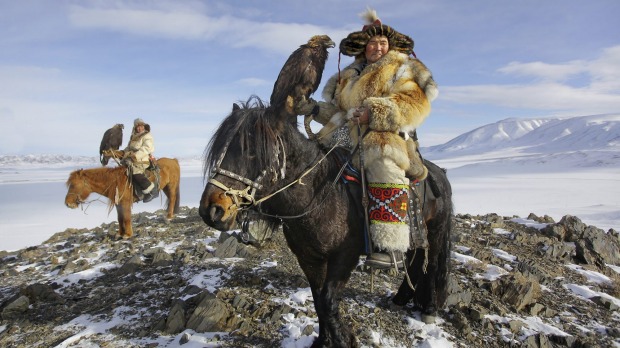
x=71, y=69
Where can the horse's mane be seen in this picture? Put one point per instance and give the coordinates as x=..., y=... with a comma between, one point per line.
x=249, y=126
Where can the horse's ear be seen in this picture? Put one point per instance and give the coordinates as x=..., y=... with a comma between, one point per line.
x=235, y=107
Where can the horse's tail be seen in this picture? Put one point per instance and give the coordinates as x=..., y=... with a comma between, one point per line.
x=445, y=228
x=177, y=200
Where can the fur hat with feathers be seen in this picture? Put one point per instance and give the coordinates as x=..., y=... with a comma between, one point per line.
x=355, y=44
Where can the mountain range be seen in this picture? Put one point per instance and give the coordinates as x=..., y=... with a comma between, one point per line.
x=582, y=141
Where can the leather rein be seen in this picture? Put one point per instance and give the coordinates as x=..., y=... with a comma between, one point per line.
x=245, y=199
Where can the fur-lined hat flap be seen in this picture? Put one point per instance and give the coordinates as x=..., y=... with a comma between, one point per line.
x=139, y=122
x=355, y=44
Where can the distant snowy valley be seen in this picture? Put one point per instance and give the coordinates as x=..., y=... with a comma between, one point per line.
x=552, y=166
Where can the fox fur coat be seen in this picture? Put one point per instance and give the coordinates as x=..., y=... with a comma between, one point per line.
x=397, y=90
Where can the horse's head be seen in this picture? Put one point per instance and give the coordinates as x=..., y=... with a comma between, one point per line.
x=243, y=160
x=79, y=189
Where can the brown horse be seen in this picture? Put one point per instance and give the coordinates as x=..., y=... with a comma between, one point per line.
x=113, y=183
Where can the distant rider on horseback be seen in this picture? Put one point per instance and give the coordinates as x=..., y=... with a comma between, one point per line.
x=138, y=155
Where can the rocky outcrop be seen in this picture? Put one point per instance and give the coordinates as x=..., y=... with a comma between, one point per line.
x=511, y=285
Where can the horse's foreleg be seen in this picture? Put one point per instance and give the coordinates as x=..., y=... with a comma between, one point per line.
x=315, y=273
x=323, y=339
x=124, y=221
x=338, y=274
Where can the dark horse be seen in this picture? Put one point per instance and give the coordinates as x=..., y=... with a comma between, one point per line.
x=260, y=161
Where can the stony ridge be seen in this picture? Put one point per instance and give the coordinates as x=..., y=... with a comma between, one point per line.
x=157, y=289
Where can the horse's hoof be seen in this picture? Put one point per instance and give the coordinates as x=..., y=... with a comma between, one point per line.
x=428, y=318
x=394, y=307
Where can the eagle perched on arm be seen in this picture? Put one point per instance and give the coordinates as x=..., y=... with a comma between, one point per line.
x=301, y=74
x=112, y=140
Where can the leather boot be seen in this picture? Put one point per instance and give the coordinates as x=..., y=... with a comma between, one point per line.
x=150, y=193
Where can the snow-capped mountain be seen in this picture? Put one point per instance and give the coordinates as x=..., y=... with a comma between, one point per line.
x=47, y=160
x=535, y=144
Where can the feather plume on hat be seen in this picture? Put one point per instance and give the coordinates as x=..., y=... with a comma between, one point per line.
x=355, y=44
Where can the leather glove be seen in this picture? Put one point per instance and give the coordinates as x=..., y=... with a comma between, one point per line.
x=114, y=153
x=126, y=161
x=307, y=107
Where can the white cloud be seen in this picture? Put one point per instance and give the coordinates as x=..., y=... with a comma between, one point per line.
x=189, y=23
x=552, y=88
x=552, y=72
x=254, y=82
x=605, y=71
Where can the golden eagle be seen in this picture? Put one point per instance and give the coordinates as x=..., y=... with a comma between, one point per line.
x=301, y=74
x=112, y=140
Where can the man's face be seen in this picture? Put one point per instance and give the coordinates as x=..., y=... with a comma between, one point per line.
x=376, y=48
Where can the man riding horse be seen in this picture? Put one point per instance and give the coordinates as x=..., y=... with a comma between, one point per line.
x=380, y=98
x=138, y=156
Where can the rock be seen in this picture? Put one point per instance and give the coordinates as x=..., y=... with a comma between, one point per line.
x=228, y=248
x=598, y=248
x=41, y=292
x=16, y=308
x=561, y=251
x=495, y=221
x=248, y=297
x=161, y=259
x=212, y=314
x=131, y=266
x=185, y=337
x=537, y=341
x=517, y=290
x=175, y=322
x=605, y=302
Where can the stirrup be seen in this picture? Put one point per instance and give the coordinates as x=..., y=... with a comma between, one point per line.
x=383, y=260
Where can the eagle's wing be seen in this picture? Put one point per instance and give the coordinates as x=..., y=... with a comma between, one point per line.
x=105, y=141
x=116, y=138
x=293, y=73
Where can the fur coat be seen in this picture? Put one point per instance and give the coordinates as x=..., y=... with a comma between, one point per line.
x=140, y=147
x=397, y=90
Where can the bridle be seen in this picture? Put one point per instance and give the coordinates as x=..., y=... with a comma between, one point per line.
x=244, y=198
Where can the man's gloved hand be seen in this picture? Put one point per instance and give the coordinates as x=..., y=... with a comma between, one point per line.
x=126, y=161
x=307, y=107
x=114, y=153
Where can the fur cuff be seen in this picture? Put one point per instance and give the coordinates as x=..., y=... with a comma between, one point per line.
x=382, y=116
x=390, y=237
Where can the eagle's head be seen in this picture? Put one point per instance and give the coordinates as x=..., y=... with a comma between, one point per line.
x=119, y=125
x=321, y=40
